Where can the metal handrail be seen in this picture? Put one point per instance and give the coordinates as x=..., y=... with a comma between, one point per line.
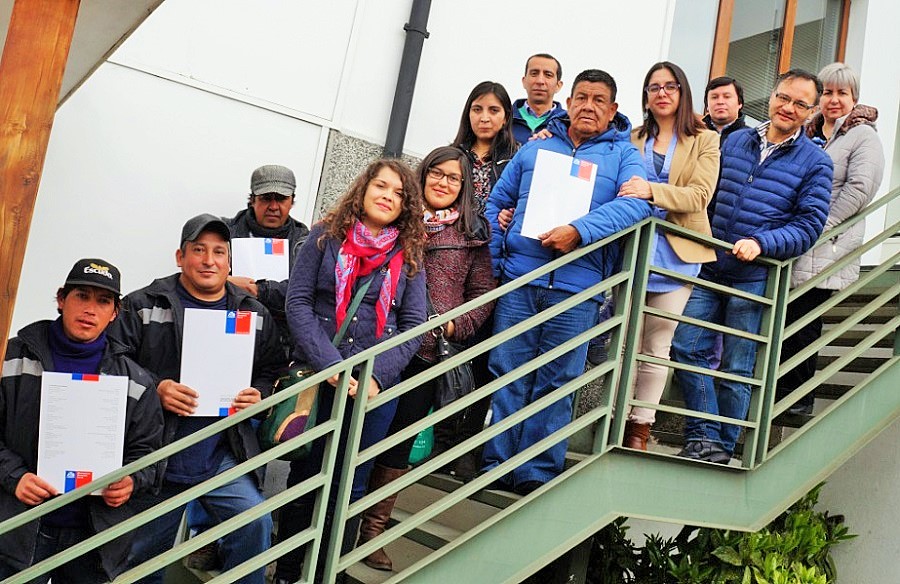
x=609, y=415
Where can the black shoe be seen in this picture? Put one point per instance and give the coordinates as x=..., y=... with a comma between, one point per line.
x=800, y=409
x=527, y=487
x=205, y=558
x=598, y=350
x=466, y=467
x=705, y=450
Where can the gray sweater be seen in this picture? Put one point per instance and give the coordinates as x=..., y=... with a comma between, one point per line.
x=858, y=168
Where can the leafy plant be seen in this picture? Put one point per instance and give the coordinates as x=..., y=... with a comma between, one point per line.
x=795, y=548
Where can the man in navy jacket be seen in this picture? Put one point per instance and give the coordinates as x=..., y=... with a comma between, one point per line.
x=772, y=200
x=595, y=133
x=542, y=80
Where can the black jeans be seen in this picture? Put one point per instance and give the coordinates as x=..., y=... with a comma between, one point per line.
x=85, y=569
x=799, y=341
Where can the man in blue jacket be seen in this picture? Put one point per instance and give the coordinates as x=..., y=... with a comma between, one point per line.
x=542, y=80
x=772, y=200
x=597, y=134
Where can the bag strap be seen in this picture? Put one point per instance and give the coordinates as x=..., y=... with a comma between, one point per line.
x=351, y=311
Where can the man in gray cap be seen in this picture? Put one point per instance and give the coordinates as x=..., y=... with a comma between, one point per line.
x=151, y=325
x=268, y=215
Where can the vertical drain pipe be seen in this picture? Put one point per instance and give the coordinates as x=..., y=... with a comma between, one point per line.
x=416, y=34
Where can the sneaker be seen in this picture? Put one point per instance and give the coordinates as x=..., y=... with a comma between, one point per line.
x=527, y=487
x=800, y=409
x=598, y=350
x=205, y=558
x=466, y=467
x=705, y=450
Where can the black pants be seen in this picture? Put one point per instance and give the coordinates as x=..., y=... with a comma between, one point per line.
x=799, y=341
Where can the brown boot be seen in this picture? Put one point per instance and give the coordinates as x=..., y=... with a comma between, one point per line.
x=636, y=435
x=376, y=517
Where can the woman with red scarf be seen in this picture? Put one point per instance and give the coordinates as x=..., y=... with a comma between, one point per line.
x=374, y=233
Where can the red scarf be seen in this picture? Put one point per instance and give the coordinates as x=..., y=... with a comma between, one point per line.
x=360, y=255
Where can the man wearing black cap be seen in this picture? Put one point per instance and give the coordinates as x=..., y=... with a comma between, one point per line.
x=76, y=342
x=268, y=215
x=151, y=325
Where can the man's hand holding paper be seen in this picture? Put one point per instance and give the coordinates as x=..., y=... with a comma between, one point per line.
x=563, y=239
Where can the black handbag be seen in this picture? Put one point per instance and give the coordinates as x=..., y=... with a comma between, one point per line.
x=454, y=383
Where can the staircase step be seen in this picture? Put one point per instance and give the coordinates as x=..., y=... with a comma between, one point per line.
x=879, y=316
x=858, y=365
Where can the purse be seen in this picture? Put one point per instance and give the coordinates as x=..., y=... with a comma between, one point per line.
x=454, y=383
x=294, y=416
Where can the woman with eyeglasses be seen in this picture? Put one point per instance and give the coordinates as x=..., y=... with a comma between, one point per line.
x=681, y=158
x=458, y=269
x=846, y=130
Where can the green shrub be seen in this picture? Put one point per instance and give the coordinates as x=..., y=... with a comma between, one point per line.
x=795, y=548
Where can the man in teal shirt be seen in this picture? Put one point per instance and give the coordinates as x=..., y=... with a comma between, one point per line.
x=542, y=80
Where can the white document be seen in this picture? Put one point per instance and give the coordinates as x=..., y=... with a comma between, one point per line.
x=260, y=258
x=561, y=191
x=217, y=356
x=82, y=428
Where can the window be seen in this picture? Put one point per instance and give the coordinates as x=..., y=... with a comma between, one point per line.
x=758, y=39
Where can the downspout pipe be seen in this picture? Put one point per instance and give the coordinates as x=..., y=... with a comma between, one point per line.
x=416, y=34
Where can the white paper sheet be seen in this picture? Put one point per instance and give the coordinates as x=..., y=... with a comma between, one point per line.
x=217, y=356
x=561, y=191
x=260, y=258
x=82, y=428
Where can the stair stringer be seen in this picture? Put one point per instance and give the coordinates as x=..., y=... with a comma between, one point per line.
x=524, y=537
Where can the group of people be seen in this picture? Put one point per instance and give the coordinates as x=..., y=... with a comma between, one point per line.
x=401, y=246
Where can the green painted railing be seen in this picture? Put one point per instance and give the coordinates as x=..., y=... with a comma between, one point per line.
x=605, y=421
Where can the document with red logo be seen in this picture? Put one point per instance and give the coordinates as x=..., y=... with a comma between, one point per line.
x=561, y=191
x=82, y=428
x=217, y=356
x=260, y=258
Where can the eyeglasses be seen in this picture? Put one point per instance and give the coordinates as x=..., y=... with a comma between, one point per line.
x=269, y=197
x=438, y=175
x=668, y=88
x=782, y=99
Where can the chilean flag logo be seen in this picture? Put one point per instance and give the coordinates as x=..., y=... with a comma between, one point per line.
x=237, y=322
x=274, y=246
x=77, y=478
x=85, y=377
x=581, y=169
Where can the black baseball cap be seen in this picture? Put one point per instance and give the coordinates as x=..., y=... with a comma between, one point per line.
x=205, y=222
x=97, y=273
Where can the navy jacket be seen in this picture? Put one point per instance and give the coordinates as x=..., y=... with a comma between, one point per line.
x=617, y=160
x=27, y=357
x=311, y=312
x=781, y=203
x=151, y=324
x=520, y=128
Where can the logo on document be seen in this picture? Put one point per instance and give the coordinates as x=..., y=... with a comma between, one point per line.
x=77, y=478
x=225, y=412
x=581, y=169
x=85, y=377
x=237, y=322
x=274, y=246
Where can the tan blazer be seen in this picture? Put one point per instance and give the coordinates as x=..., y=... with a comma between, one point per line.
x=692, y=181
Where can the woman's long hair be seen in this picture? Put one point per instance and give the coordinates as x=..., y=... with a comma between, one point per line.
x=504, y=144
x=687, y=123
x=349, y=209
x=466, y=223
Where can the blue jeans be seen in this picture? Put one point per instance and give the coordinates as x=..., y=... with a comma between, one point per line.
x=86, y=569
x=220, y=504
x=513, y=309
x=695, y=345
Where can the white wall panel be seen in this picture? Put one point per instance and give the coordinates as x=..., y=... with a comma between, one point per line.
x=131, y=158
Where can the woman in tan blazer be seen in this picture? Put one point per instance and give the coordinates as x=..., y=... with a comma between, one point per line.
x=681, y=158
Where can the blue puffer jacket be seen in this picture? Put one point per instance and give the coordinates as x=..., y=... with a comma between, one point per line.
x=617, y=160
x=521, y=131
x=781, y=203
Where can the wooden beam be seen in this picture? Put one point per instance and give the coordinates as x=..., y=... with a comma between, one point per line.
x=719, y=64
x=787, y=36
x=842, y=31
x=31, y=72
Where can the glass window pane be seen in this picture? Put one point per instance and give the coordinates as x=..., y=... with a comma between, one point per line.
x=755, y=42
x=816, y=34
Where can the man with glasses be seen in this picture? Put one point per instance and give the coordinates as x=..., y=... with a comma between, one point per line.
x=772, y=201
x=598, y=140
x=268, y=215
